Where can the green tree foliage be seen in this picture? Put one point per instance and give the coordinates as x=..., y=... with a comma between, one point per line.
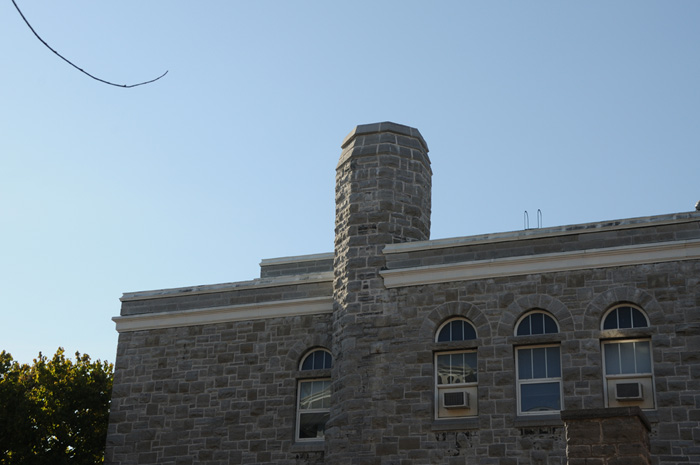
x=54, y=411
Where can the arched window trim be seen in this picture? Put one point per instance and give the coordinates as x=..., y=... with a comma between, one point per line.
x=528, y=314
x=616, y=308
x=449, y=321
x=327, y=360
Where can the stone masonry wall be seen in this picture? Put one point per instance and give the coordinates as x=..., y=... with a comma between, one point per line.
x=667, y=292
x=212, y=395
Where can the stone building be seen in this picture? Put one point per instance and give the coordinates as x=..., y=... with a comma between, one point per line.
x=576, y=344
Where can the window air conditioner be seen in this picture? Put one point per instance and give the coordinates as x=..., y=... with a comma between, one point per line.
x=455, y=399
x=629, y=391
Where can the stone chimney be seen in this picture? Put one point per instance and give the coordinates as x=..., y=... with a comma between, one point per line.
x=383, y=183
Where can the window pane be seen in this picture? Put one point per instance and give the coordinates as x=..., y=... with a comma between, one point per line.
x=643, y=354
x=524, y=327
x=625, y=316
x=612, y=359
x=638, y=319
x=312, y=425
x=469, y=331
x=539, y=397
x=553, y=362
x=539, y=363
x=610, y=320
x=524, y=364
x=457, y=331
x=320, y=395
x=318, y=359
x=537, y=321
x=304, y=395
x=627, y=357
x=444, y=334
x=443, y=368
x=470, y=358
x=308, y=363
x=550, y=326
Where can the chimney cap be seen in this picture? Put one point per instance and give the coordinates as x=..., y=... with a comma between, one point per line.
x=386, y=126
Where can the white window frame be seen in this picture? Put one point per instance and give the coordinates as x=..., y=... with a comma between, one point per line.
x=535, y=381
x=311, y=379
x=645, y=378
x=300, y=412
x=469, y=388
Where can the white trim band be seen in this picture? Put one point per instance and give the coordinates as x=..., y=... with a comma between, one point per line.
x=213, y=315
x=545, y=263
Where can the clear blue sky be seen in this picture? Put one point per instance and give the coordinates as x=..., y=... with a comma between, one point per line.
x=586, y=110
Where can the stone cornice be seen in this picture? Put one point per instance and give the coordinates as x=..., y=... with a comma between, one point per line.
x=296, y=259
x=556, y=231
x=260, y=283
x=213, y=315
x=544, y=263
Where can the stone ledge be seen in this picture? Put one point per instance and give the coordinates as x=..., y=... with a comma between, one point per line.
x=602, y=413
x=311, y=446
x=259, y=283
x=458, y=424
x=540, y=420
x=555, y=231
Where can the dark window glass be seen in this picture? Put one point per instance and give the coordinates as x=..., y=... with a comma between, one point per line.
x=539, y=397
x=553, y=362
x=624, y=316
x=638, y=320
x=611, y=320
x=525, y=364
x=539, y=362
x=537, y=323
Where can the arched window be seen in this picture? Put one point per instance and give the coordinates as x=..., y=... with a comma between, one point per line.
x=314, y=395
x=538, y=366
x=627, y=363
x=624, y=317
x=318, y=359
x=458, y=329
x=455, y=371
x=536, y=322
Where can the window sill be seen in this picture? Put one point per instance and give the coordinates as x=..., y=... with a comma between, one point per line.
x=536, y=339
x=539, y=420
x=310, y=446
x=455, y=424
